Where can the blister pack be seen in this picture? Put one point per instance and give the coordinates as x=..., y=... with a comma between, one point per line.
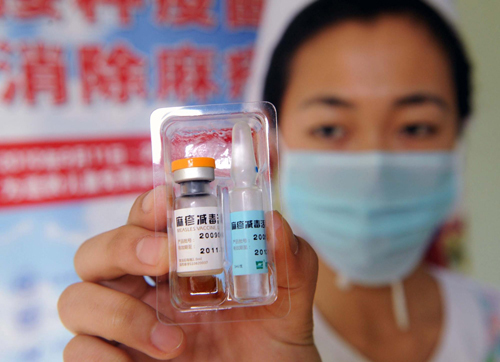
x=215, y=178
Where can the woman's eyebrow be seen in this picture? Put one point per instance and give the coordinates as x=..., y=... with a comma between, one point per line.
x=330, y=101
x=422, y=99
x=415, y=99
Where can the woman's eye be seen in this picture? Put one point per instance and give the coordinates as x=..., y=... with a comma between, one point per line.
x=419, y=130
x=330, y=132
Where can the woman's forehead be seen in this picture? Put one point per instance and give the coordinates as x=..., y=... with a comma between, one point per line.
x=378, y=58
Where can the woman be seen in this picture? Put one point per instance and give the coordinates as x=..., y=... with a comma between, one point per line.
x=372, y=97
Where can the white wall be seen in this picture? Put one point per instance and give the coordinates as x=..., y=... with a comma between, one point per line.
x=479, y=20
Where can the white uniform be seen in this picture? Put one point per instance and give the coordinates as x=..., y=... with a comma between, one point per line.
x=471, y=332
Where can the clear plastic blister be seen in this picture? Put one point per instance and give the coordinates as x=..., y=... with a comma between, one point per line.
x=215, y=169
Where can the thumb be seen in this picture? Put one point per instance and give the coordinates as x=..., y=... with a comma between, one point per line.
x=300, y=258
x=297, y=273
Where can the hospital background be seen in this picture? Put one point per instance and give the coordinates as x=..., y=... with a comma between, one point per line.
x=78, y=81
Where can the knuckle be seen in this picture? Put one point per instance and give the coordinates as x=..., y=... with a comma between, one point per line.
x=121, y=246
x=86, y=252
x=124, y=239
x=117, y=239
x=123, y=314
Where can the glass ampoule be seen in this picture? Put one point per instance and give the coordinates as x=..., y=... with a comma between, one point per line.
x=249, y=243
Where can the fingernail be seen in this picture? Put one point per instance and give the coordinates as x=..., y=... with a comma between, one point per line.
x=166, y=338
x=294, y=245
x=148, y=202
x=277, y=222
x=279, y=226
x=148, y=250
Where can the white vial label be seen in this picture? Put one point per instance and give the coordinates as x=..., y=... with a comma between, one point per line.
x=198, y=239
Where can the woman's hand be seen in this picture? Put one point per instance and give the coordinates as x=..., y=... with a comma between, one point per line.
x=112, y=310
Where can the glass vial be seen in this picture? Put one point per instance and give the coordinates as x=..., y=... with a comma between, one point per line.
x=197, y=233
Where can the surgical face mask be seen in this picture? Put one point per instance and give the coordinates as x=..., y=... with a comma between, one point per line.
x=369, y=216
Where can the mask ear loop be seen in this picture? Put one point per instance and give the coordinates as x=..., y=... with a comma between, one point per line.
x=400, y=306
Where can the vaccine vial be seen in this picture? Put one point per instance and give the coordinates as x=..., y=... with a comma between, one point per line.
x=248, y=231
x=197, y=232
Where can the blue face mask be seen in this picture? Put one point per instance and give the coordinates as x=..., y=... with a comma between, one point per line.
x=370, y=216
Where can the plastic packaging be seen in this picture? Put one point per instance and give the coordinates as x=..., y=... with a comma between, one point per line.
x=215, y=168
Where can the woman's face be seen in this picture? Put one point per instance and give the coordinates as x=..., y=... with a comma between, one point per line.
x=384, y=85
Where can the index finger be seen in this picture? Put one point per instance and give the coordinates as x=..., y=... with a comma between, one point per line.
x=126, y=250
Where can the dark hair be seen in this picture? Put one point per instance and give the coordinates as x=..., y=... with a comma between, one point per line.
x=326, y=13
